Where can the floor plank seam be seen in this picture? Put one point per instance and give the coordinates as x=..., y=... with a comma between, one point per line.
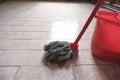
x=16, y=73
x=74, y=73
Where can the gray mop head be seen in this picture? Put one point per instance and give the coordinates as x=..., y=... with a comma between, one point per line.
x=58, y=52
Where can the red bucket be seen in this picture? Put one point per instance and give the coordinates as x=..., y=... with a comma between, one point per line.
x=105, y=42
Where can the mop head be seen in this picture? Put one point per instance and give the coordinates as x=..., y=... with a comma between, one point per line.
x=58, y=52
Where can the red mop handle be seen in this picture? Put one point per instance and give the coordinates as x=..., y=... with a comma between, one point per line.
x=88, y=21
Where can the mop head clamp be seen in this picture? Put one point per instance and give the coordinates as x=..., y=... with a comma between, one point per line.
x=58, y=52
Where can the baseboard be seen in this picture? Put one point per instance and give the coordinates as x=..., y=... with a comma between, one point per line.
x=112, y=7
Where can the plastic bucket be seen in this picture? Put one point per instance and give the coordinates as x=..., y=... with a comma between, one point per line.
x=105, y=42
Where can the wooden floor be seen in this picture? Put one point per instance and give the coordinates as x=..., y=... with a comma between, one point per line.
x=26, y=26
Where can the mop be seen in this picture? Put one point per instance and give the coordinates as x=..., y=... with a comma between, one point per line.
x=58, y=52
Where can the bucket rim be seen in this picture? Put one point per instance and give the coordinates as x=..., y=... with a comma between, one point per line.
x=109, y=13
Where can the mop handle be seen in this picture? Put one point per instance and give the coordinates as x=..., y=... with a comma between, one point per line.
x=99, y=3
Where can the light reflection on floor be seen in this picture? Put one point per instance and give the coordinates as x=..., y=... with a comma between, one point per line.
x=64, y=30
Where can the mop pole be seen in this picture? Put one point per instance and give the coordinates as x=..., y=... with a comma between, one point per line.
x=74, y=45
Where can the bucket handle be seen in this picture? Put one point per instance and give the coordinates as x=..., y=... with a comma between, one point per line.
x=114, y=22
